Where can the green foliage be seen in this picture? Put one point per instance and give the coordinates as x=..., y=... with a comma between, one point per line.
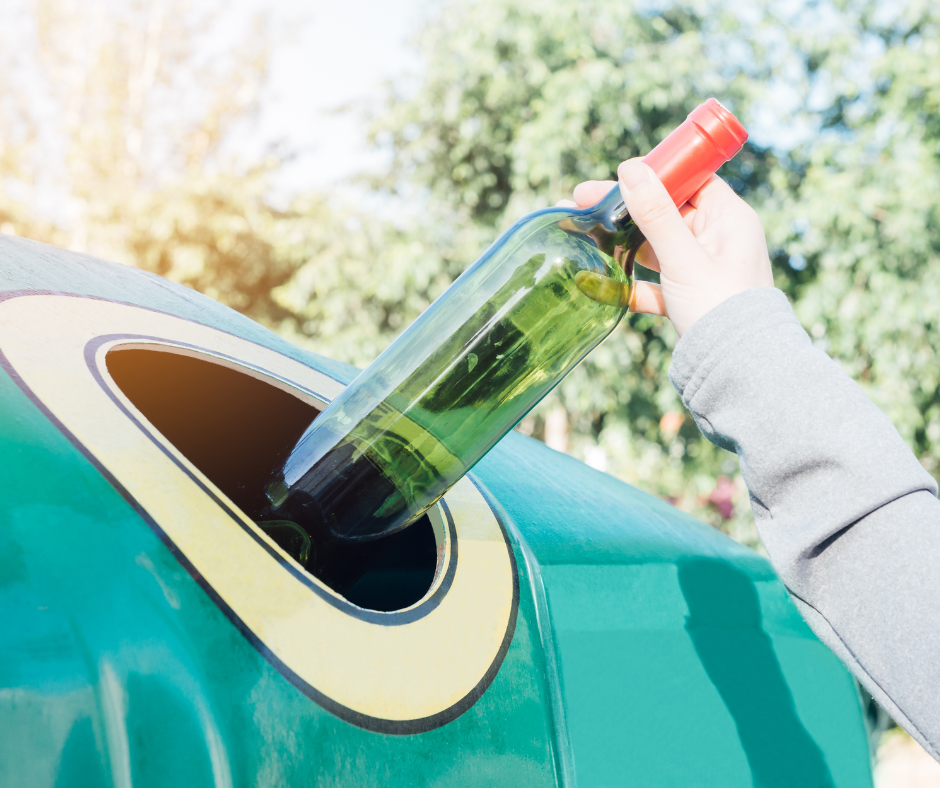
x=357, y=281
x=114, y=136
x=861, y=211
x=523, y=100
x=518, y=101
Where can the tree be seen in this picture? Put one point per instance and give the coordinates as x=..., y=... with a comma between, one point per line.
x=115, y=129
x=518, y=103
x=519, y=100
x=855, y=218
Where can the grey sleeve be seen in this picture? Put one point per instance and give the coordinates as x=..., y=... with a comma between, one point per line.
x=849, y=517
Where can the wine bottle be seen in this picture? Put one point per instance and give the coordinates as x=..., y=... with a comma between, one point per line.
x=547, y=291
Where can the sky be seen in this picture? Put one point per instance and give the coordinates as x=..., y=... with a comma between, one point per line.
x=334, y=54
x=328, y=55
x=325, y=55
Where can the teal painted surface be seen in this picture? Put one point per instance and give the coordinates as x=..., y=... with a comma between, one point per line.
x=29, y=265
x=117, y=669
x=108, y=642
x=649, y=650
x=681, y=660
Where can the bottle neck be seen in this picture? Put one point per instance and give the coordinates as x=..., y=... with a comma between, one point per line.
x=614, y=210
x=609, y=226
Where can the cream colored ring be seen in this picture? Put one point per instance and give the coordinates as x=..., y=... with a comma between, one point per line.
x=404, y=674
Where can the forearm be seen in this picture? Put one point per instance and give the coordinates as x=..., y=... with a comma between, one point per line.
x=848, y=516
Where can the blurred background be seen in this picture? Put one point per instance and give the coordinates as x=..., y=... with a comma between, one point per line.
x=328, y=169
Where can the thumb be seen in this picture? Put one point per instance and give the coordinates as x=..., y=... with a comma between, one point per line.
x=655, y=213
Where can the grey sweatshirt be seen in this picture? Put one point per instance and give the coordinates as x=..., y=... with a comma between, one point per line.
x=849, y=517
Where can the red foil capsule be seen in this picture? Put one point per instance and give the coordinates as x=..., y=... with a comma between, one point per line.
x=705, y=140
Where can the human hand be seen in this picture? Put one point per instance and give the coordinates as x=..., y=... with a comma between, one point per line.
x=710, y=250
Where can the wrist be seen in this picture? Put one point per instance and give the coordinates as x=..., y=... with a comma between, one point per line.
x=708, y=339
x=704, y=303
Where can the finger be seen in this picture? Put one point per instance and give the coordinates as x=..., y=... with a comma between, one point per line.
x=591, y=192
x=689, y=214
x=647, y=299
x=714, y=188
x=655, y=213
x=566, y=204
x=710, y=202
x=646, y=257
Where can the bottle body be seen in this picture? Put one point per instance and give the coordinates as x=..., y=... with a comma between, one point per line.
x=467, y=370
x=463, y=374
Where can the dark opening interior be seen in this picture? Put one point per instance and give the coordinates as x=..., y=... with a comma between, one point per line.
x=237, y=430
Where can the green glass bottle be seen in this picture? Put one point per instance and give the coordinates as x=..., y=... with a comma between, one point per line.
x=552, y=287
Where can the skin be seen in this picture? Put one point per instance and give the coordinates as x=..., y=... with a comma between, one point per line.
x=707, y=251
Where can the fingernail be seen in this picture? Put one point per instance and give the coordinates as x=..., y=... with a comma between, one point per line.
x=633, y=173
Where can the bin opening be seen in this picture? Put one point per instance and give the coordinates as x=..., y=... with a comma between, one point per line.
x=236, y=427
